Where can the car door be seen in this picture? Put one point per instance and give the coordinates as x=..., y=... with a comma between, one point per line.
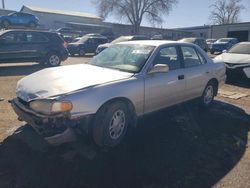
x=165, y=89
x=34, y=46
x=197, y=71
x=10, y=46
x=92, y=45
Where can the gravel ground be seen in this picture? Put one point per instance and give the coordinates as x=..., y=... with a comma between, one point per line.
x=177, y=147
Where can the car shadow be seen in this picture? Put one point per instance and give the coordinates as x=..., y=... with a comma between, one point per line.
x=178, y=147
x=19, y=69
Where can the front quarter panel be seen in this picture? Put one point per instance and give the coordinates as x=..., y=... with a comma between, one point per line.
x=89, y=100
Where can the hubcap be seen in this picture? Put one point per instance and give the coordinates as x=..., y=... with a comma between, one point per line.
x=208, y=95
x=81, y=52
x=54, y=60
x=117, y=124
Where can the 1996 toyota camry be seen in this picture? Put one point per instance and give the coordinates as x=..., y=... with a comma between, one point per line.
x=105, y=97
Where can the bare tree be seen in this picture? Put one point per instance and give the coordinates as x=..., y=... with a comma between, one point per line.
x=136, y=10
x=226, y=11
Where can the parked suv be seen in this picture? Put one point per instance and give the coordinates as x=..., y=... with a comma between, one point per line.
x=19, y=18
x=198, y=41
x=28, y=45
x=87, y=44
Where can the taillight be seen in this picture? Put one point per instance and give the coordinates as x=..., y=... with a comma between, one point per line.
x=65, y=44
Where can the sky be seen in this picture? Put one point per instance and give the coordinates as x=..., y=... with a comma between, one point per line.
x=186, y=13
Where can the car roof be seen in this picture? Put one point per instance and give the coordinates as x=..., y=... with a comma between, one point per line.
x=153, y=42
x=26, y=30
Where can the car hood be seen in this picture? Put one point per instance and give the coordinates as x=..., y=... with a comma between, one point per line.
x=106, y=45
x=61, y=80
x=234, y=58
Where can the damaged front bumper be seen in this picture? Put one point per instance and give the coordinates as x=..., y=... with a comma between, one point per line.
x=56, y=129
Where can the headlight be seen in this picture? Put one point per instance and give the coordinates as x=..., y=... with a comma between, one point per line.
x=50, y=106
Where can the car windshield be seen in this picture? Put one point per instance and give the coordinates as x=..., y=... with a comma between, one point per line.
x=12, y=13
x=83, y=39
x=240, y=49
x=224, y=40
x=123, y=57
x=191, y=40
x=122, y=39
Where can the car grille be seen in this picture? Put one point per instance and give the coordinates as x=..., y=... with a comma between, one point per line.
x=23, y=102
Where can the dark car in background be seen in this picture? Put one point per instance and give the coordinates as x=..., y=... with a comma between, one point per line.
x=121, y=39
x=210, y=42
x=86, y=44
x=19, y=18
x=32, y=46
x=198, y=41
x=69, y=31
x=223, y=44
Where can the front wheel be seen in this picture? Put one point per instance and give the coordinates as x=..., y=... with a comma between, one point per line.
x=208, y=95
x=6, y=24
x=53, y=60
x=111, y=124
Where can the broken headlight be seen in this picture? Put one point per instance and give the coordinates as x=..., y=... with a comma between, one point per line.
x=49, y=107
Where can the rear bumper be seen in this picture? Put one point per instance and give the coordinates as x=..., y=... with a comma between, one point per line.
x=56, y=130
x=64, y=55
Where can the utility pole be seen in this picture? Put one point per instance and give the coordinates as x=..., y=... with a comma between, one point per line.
x=3, y=5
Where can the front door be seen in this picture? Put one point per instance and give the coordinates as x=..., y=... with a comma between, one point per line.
x=165, y=89
x=10, y=47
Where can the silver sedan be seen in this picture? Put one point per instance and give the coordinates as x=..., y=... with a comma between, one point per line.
x=106, y=96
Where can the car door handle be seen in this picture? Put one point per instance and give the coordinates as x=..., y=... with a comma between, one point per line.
x=181, y=77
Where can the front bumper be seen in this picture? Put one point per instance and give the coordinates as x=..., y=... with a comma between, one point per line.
x=238, y=70
x=56, y=130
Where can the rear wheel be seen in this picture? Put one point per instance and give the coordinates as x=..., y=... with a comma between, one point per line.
x=53, y=60
x=32, y=24
x=111, y=124
x=208, y=94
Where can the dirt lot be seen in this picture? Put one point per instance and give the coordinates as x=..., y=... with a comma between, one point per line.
x=177, y=147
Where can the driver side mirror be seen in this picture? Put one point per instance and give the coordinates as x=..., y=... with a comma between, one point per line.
x=159, y=68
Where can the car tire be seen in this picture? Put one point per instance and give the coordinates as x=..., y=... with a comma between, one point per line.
x=6, y=24
x=32, y=24
x=53, y=59
x=81, y=52
x=110, y=124
x=208, y=95
x=211, y=51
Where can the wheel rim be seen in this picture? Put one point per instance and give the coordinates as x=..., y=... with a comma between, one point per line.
x=209, y=94
x=54, y=60
x=81, y=52
x=117, y=125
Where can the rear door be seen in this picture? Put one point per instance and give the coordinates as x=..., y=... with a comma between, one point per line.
x=35, y=46
x=92, y=45
x=197, y=71
x=165, y=89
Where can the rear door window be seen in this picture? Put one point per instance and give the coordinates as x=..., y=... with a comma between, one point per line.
x=191, y=57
